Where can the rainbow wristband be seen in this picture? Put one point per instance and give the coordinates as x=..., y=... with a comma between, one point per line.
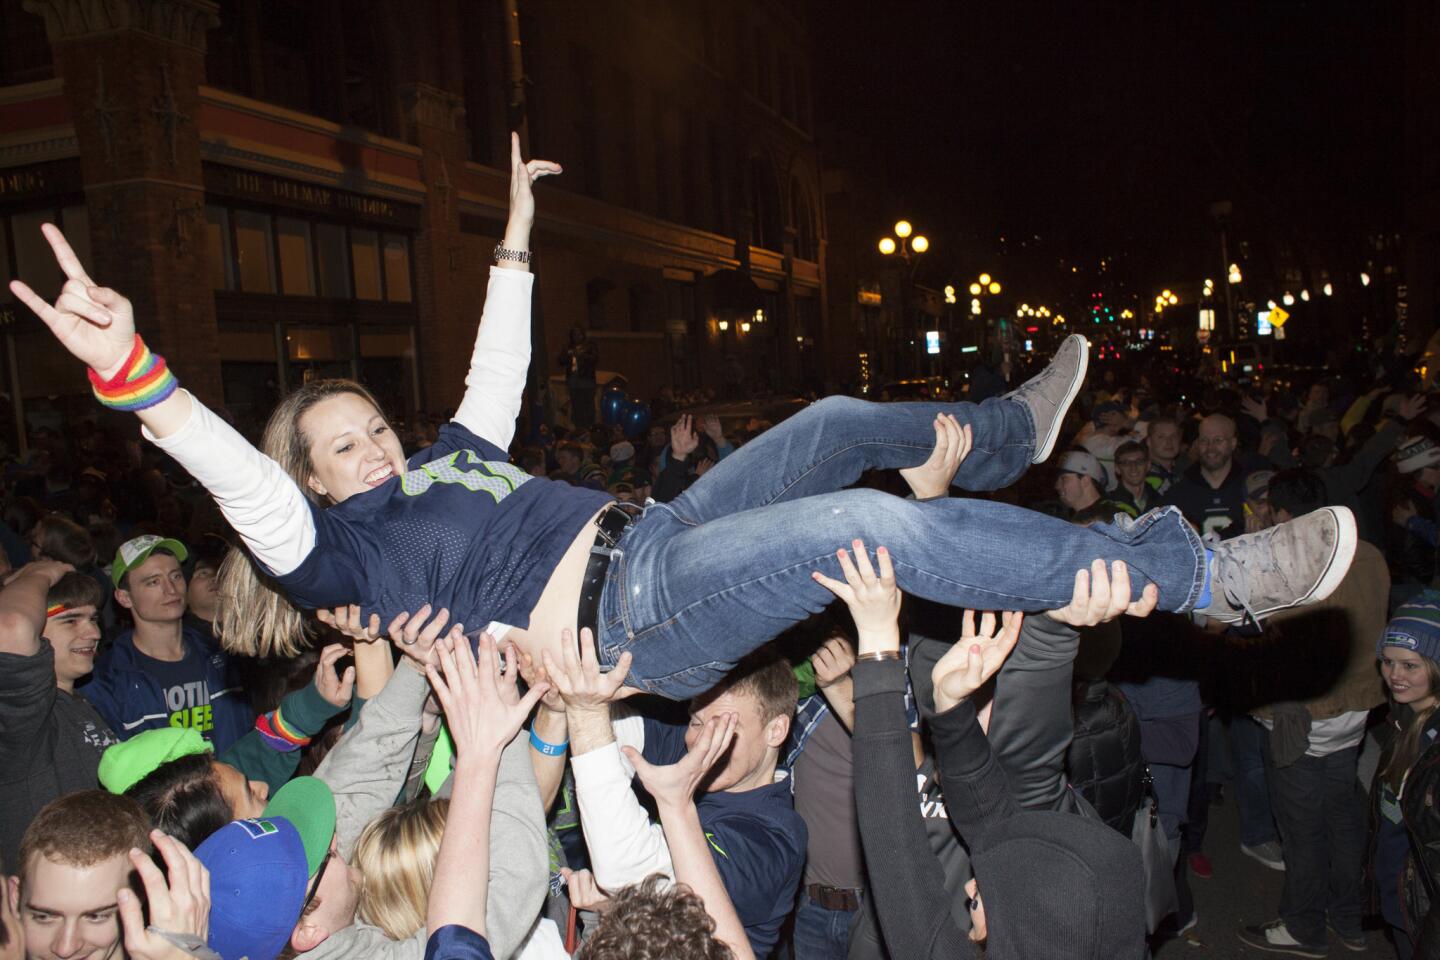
x=142, y=381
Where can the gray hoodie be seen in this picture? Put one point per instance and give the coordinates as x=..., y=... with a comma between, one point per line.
x=367, y=770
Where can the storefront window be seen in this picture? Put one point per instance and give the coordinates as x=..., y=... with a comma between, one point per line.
x=297, y=268
x=318, y=353
x=255, y=251
x=334, y=260
x=217, y=248
x=397, y=269
x=365, y=258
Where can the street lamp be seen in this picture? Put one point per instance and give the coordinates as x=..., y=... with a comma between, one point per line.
x=909, y=244
x=1234, y=273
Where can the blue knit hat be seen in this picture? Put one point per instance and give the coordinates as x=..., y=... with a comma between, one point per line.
x=1415, y=626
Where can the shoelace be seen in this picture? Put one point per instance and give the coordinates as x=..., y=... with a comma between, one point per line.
x=1230, y=578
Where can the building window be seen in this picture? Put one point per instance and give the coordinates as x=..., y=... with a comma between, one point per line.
x=334, y=260
x=397, y=268
x=217, y=248
x=297, y=264
x=255, y=251
x=365, y=262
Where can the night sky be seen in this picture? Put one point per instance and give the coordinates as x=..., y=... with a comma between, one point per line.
x=1106, y=129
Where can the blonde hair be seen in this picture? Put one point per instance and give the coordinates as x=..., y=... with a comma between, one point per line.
x=253, y=616
x=395, y=857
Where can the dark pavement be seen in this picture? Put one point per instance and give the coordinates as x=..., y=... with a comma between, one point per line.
x=1241, y=892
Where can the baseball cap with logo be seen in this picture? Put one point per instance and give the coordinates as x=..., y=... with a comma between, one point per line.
x=134, y=552
x=258, y=883
x=309, y=805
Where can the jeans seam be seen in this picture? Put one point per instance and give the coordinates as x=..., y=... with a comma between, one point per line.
x=815, y=464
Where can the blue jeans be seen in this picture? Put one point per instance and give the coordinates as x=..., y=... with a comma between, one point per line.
x=820, y=934
x=1252, y=787
x=696, y=584
x=1321, y=813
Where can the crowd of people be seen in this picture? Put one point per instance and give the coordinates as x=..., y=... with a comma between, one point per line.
x=721, y=690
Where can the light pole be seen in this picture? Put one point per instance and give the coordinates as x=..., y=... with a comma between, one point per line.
x=909, y=246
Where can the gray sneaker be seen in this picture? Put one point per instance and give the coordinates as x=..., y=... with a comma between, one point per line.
x=1268, y=853
x=1049, y=393
x=1292, y=564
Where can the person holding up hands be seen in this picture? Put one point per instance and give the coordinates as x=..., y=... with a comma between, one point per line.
x=484, y=711
x=755, y=838
x=1046, y=884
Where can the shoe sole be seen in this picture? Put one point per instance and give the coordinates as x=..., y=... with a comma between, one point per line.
x=1335, y=569
x=1273, y=865
x=1261, y=943
x=1043, y=454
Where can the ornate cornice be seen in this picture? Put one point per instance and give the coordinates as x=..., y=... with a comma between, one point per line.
x=38, y=146
x=181, y=22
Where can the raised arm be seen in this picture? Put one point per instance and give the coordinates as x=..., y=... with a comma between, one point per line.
x=495, y=384
x=673, y=788
x=97, y=325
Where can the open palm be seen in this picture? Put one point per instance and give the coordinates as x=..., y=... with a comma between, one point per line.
x=975, y=658
x=94, y=323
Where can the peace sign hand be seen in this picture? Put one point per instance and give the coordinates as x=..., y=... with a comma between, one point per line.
x=95, y=324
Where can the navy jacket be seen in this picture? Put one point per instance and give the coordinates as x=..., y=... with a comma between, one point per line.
x=132, y=699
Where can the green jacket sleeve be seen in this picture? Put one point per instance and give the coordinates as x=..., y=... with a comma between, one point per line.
x=271, y=751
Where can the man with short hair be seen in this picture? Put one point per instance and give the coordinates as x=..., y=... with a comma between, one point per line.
x=1132, y=467
x=1211, y=494
x=576, y=468
x=73, y=860
x=51, y=740
x=161, y=672
x=1164, y=441
x=757, y=840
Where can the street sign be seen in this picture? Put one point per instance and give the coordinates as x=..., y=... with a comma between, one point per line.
x=1278, y=316
x=932, y=341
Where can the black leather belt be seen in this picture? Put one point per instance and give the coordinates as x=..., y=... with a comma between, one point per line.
x=609, y=526
x=833, y=898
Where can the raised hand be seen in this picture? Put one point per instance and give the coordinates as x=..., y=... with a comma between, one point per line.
x=674, y=785
x=683, y=438
x=710, y=424
x=582, y=686
x=523, y=175
x=832, y=662
x=348, y=622
x=971, y=662
x=179, y=907
x=873, y=598
x=414, y=634
x=535, y=674
x=483, y=710
x=332, y=686
x=952, y=444
x=1099, y=597
x=1411, y=407
x=1255, y=408
x=94, y=323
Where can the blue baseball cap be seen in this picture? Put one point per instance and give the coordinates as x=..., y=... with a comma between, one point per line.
x=258, y=881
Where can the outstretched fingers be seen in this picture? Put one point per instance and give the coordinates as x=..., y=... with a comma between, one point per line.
x=65, y=255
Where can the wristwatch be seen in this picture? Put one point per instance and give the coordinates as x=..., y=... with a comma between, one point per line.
x=519, y=256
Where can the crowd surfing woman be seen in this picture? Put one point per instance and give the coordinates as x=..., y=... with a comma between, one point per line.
x=332, y=513
x=1404, y=822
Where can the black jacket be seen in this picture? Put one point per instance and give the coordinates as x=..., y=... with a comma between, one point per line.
x=1104, y=762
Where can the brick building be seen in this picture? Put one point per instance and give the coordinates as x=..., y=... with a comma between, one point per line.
x=298, y=188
